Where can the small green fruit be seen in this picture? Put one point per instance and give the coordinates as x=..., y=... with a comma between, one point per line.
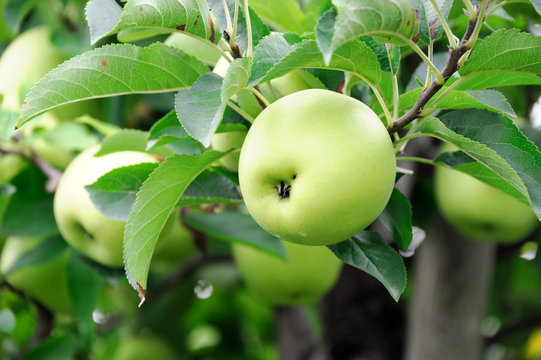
x=304, y=278
x=46, y=282
x=226, y=141
x=479, y=210
x=317, y=167
x=81, y=225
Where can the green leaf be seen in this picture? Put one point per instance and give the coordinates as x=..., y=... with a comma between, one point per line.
x=430, y=24
x=388, y=55
x=30, y=210
x=237, y=227
x=463, y=162
x=490, y=99
x=368, y=252
x=124, y=140
x=392, y=20
x=102, y=17
x=236, y=78
x=282, y=15
x=488, y=80
x=268, y=52
x=102, y=127
x=200, y=108
x=113, y=194
x=166, y=126
x=210, y=188
x=355, y=57
x=59, y=347
x=6, y=192
x=396, y=218
x=112, y=70
x=501, y=135
x=155, y=201
x=84, y=286
x=46, y=251
x=151, y=17
x=494, y=141
x=504, y=51
x=8, y=119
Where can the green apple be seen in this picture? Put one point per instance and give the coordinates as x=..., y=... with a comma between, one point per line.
x=143, y=348
x=229, y=140
x=290, y=83
x=25, y=61
x=46, y=282
x=174, y=245
x=479, y=210
x=81, y=225
x=10, y=166
x=317, y=167
x=192, y=46
x=304, y=278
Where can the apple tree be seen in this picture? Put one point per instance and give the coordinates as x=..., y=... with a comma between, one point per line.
x=266, y=175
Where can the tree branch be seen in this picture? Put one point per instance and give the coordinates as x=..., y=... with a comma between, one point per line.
x=450, y=67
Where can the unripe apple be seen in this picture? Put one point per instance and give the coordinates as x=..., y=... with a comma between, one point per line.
x=304, y=278
x=290, y=83
x=229, y=140
x=25, y=61
x=192, y=46
x=81, y=225
x=45, y=282
x=479, y=210
x=317, y=167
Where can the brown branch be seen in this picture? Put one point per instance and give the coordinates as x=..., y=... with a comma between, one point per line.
x=450, y=67
x=53, y=174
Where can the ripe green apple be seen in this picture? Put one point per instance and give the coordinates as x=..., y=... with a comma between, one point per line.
x=46, y=282
x=143, y=348
x=81, y=225
x=25, y=61
x=304, y=278
x=192, y=46
x=479, y=210
x=229, y=140
x=317, y=167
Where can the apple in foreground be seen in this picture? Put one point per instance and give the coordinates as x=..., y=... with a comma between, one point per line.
x=82, y=226
x=304, y=278
x=46, y=282
x=317, y=167
x=479, y=210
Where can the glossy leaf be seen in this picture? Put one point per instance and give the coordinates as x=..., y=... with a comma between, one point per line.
x=396, y=218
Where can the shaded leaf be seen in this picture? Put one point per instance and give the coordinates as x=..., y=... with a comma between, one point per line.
x=46, y=251
x=102, y=17
x=368, y=252
x=396, y=218
x=237, y=227
x=155, y=201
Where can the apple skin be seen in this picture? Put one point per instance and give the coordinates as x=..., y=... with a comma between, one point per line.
x=479, y=210
x=226, y=141
x=192, y=46
x=336, y=155
x=143, y=348
x=304, y=278
x=46, y=282
x=81, y=225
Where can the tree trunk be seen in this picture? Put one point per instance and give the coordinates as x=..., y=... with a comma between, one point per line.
x=452, y=278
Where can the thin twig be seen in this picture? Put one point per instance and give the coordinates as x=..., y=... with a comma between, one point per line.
x=450, y=67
